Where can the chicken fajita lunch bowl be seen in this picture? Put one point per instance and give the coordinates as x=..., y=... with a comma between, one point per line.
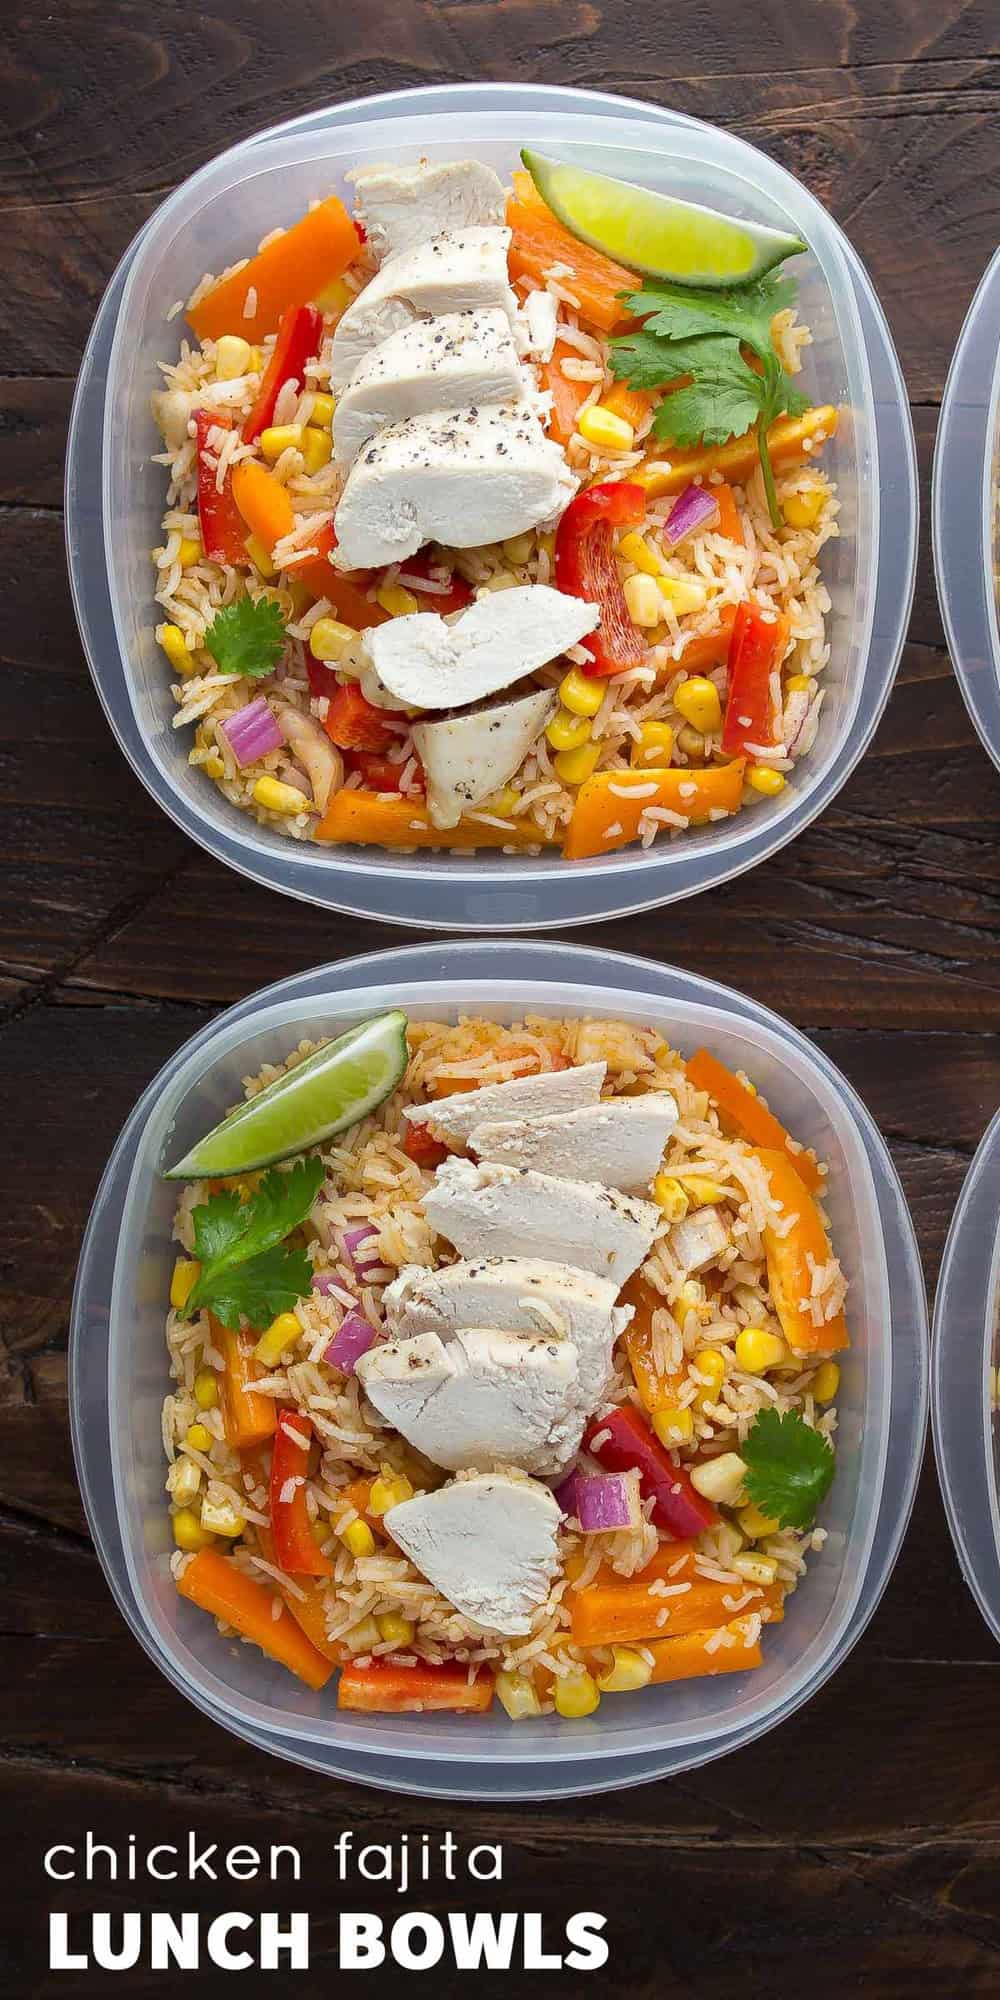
x=452, y=1337
x=507, y=524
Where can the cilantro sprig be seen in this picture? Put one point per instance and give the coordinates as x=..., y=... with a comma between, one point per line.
x=245, y=1270
x=789, y=1468
x=702, y=334
x=246, y=638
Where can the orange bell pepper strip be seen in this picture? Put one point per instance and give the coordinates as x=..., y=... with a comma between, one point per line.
x=289, y=272
x=387, y=1689
x=605, y=816
x=213, y=1582
x=247, y=1418
x=369, y=819
x=345, y=588
x=262, y=501
x=791, y=1259
x=566, y=395
x=632, y=405
x=697, y=1655
x=296, y=1550
x=730, y=524
x=745, y=1116
x=737, y=459
x=706, y=650
x=306, y=1600
x=539, y=240
x=657, y=1390
x=618, y=1610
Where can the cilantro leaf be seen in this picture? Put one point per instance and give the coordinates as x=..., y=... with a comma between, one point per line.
x=246, y=638
x=700, y=336
x=243, y=1270
x=789, y=1467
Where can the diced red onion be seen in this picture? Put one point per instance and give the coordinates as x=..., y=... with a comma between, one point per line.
x=354, y=1336
x=696, y=509
x=324, y=1281
x=607, y=1502
x=567, y=1493
x=353, y=1240
x=252, y=732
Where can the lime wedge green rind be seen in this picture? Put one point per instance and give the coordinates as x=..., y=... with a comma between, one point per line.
x=654, y=234
x=342, y=1082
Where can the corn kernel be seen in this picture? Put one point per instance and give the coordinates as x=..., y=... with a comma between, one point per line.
x=683, y=594
x=567, y=731
x=519, y=549
x=299, y=595
x=754, y=1524
x=697, y=700
x=826, y=1382
x=189, y=552
x=219, y=1512
x=600, y=426
x=503, y=804
x=720, y=1479
x=335, y=297
x=701, y=1190
x=317, y=448
x=206, y=1389
x=213, y=765
x=629, y=1671
x=643, y=599
x=692, y=742
x=655, y=745
x=280, y=437
x=189, y=1534
x=358, y=1538
x=766, y=781
x=199, y=1437
x=574, y=767
x=184, y=1278
x=799, y=684
x=673, y=1427
x=283, y=1332
x=389, y=1490
x=395, y=1629
x=517, y=1695
x=322, y=410
x=399, y=603
x=174, y=644
x=363, y=1636
x=636, y=549
x=757, y=1350
x=278, y=798
x=670, y=1197
x=576, y=1695
x=260, y=556
x=709, y=1368
x=580, y=694
x=755, y=1569
x=232, y=357
x=502, y=579
x=320, y=1531
x=329, y=639
x=547, y=544
x=256, y=362
x=183, y=1481
x=803, y=509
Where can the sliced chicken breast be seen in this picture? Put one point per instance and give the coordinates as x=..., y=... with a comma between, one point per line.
x=466, y=758
x=488, y=1544
x=463, y=271
x=518, y=1295
x=522, y=1097
x=507, y=1211
x=487, y=1398
x=498, y=640
x=698, y=1240
x=401, y=207
x=434, y=364
x=619, y=1142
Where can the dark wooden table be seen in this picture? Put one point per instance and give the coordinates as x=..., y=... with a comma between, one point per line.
x=857, y=1847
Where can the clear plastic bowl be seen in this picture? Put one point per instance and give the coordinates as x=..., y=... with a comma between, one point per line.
x=965, y=1356
x=119, y=1376
x=966, y=509
x=869, y=570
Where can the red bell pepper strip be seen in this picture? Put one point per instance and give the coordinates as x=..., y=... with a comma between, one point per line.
x=756, y=650
x=300, y=331
x=417, y=570
x=223, y=529
x=322, y=678
x=381, y=774
x=392, y=1690
x=354, y=723
x=421, y=1146
x=624, y=1443
x=586, y=567
x=296, y=1551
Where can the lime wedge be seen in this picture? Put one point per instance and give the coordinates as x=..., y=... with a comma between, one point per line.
x=330, y=1090
x=653, y=233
